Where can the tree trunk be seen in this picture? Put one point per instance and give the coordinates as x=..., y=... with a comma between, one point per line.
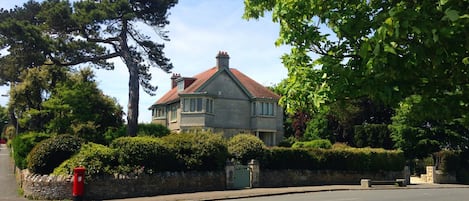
x=134, y=86
x=132, y=107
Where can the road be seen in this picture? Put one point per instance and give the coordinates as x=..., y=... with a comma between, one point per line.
x=453, y=194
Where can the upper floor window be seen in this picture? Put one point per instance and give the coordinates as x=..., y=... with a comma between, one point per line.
x=263, y=108
x=197, y=105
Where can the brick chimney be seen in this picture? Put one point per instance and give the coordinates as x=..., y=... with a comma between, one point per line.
x=223, y=60
x=173, y=79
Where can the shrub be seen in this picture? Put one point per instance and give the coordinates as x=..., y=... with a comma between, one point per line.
x=156, y=130
x=245, y=147
x=198, y=151
x=145, y=152
x=373, y=135
x=97, y=159
x=50, y=153
x=23, y=144
x=287, y=142
x=314, y=144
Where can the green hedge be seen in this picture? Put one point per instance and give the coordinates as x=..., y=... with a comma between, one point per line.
x=314, y=144
x=245, y=147
x=23, y=144
x=50, y=153
x=97, y=159
x=143, y=152
x=198, y=151
x=352, y=159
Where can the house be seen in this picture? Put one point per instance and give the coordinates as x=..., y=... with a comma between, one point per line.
x=222, y=100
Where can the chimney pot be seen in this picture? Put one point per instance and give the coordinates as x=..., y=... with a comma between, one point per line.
x=223, y=60
x=173, y=79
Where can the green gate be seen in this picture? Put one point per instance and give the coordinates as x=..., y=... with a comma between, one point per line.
x=241, y=177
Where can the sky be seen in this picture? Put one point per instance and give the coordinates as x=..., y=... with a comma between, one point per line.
x=198, y=30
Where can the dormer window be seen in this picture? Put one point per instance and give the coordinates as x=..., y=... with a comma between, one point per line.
x=180, y=85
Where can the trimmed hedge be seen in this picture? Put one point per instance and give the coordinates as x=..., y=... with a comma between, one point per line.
x=314, y=144
x=23, y=144
x=351, y=159
x=198, y=151
x=50, y=153
x=97, y=159
x=245, y=147
x=143, y=152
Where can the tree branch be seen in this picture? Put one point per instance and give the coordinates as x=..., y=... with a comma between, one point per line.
x=56, y=61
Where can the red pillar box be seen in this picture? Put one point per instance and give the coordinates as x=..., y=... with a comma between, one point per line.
x=78, y=183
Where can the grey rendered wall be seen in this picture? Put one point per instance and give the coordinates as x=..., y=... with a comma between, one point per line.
x=231, y=104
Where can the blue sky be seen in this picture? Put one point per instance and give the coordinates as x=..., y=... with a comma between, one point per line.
x=198, y=29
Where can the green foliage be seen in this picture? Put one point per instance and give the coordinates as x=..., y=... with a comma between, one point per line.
x=23, y=144
x=391, y=52
x=420, y=135
x=349, y=159
x=373, y=135
x=245, y=147
x=448, y=161
x=287, y=142
x=198, y=151
x=97, y=159
x=145, y=152
x=77, y=106
x=50, y=153
x=156, y=130
x=47, y=32
x=314, y=144
x=3, y=121
x=318, y=128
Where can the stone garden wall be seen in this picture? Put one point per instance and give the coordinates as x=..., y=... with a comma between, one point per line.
x=281, y=178
x=46, y=187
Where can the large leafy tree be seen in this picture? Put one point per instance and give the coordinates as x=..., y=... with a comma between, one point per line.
x=91, y=31
x=385, y=51
x=73, y=105
x=77, y=106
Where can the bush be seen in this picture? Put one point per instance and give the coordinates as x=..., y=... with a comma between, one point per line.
x=287, y=142
x=156, y=130
x=198, y=151
x=145, y=152
x=347, y=159
x=245, y=147
x=97, y=159
x=23, y=144
x=373, y=135
x=314, y=144
x=50, y=153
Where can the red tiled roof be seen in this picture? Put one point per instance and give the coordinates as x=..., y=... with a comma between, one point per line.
x=254, y=88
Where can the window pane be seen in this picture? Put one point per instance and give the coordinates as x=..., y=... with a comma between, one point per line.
x=185, y=105
x=192, y=105
x=199, y=105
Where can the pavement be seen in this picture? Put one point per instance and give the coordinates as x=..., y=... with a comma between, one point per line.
x=9, y=188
